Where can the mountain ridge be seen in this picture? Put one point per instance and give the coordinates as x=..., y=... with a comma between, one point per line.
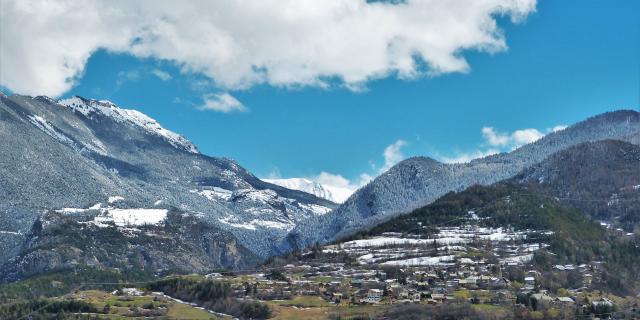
x=417, y=181
x=88, y=156
x=567, y=194
x=77, y=156
x=600, y=178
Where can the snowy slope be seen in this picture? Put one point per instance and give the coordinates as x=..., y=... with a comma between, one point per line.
x=108, y=108
x=77, y=152
x=331, y=193
x=418, y=181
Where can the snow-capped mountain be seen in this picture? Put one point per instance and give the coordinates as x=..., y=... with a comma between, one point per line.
x=418, y=181
x=91, y=168
x=93, y=108
x=80, y=154
x=331, y=193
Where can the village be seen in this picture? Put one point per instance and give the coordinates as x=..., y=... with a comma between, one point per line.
x=322, y=291
x=495, y=271
x=336, y=283
x=470, y=264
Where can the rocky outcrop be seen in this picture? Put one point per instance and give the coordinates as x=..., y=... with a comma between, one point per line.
x=182, y=243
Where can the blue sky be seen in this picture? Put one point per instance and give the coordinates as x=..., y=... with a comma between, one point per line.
x=567, y=61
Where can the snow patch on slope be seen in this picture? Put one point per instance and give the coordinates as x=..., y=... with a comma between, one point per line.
x=107, y=108
x=55, y=133
x=114, y=199
x=422, y=261
x=215, y=194
x=254, y=224
x=137, y=217
x=317, y=209
x=446, y=236
x=10, y=232
x=269, y=198
x=120, y=217
x=47, y=128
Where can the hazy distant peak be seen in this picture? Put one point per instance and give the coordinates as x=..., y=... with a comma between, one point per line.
x=331, y=193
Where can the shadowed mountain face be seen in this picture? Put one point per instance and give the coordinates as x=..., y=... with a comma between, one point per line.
x=602, y=179
x=418, y=181
x=183, y=243
x=80, y=153
x=598, y=180
x=556, y=198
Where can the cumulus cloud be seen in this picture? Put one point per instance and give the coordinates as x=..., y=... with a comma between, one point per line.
x=340, y=182
x=239, y=44
x=331, y=179
x=393, y=154
x=514, y=139
x=496, y=142
x=526, y=136
x=493, y=138
x=558, y=128
x=338, y=186
x=222, y=102
x=466, y=157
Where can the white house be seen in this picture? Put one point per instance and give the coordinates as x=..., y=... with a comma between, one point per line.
x=565, y=300
x=374, y=296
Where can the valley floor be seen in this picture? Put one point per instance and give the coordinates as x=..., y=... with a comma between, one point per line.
x=154, y=305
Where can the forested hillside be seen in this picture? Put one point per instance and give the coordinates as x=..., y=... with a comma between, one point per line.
x=602, y=179
x=418, y=181
x=576, y=239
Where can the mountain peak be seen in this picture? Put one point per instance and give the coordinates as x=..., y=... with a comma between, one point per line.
x=420, y=161
x=612, y=116
x=331, y=193
x=89, y=107
x=418, y=181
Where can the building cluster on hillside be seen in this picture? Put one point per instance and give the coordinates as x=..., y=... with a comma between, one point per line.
x=341, y=283
x=471, y=263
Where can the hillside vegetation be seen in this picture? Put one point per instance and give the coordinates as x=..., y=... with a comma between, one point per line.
x=575, y=238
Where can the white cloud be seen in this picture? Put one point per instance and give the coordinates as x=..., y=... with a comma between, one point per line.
x=342, y=186
x=513, y=140
x=162, y=75
x=331, y=179
x=239, y=44
x=496, y=142
x=467, y=157
x=222, y=102
x=393, y=154
x=364, y=178
x=526, y=136
x=493, y=138
x=333, y=187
